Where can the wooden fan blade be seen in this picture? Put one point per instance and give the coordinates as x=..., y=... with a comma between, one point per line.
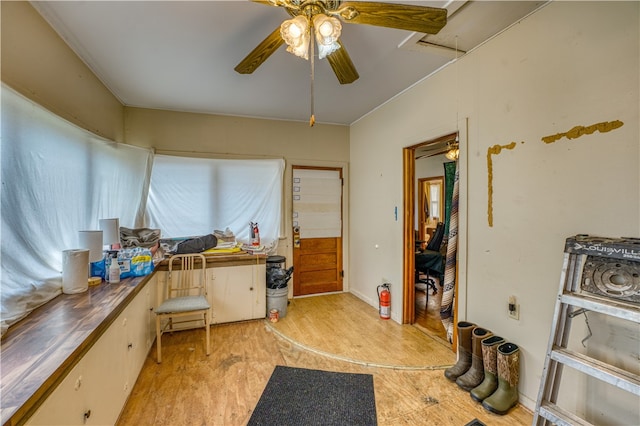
x=422, y=19
x=260, y=53
x=342, y=66
x=278, y=3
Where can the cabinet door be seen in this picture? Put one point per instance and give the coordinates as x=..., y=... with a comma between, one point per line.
x=93, y=392
x=238, y=293
x=105, y=384
x=66, y=405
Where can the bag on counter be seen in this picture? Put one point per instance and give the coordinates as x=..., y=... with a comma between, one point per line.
x=135, y=262
x=196, y=245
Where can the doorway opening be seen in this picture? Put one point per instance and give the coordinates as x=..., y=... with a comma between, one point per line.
x=423, y=208
x=317, y=230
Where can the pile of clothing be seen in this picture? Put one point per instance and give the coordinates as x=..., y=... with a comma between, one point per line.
x=226, y=239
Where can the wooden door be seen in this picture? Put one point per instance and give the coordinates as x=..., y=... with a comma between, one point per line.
x=317, y=230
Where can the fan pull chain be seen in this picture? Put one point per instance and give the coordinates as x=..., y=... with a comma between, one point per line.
x=312, y=119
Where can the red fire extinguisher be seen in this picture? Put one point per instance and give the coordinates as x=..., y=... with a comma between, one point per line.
x=384, y=300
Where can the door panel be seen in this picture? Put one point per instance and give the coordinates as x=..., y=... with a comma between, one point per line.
x=317, y=222
x=317, y=266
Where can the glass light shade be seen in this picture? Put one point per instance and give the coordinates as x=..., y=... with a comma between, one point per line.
x=295, y=32
x=324, y=51
x=92, y=240
x=327, y=31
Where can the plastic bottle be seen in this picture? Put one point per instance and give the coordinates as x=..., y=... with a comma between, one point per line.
x=255, y=234
x=114, y=271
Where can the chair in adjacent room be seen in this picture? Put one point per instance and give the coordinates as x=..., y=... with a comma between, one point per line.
x=430, y=262
x=186, y=296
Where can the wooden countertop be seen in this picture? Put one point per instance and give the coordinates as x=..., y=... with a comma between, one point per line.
x=40, y=350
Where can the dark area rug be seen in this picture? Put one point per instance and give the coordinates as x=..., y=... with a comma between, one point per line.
x=299, y=396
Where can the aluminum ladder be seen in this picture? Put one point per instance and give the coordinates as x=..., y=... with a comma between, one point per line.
x=581, y=291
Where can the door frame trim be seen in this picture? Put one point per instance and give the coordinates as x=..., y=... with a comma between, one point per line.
x=408, y=269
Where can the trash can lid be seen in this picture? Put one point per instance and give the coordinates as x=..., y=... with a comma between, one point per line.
x=276, y=259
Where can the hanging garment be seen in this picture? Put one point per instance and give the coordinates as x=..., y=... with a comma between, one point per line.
x=446, y=306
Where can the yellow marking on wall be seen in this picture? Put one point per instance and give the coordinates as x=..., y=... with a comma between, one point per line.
x=494, y=150
x=577, y=131
x=574, y=133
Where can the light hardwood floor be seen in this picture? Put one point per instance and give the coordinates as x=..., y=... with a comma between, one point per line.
x=428, y=314
x=334, y=333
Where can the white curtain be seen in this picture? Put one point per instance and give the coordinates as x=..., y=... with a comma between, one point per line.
x=57, y=179
x=195, y=196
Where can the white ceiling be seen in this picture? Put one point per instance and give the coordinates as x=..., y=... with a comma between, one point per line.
x=180, y=55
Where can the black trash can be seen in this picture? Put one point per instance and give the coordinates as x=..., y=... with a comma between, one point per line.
x=275, y=262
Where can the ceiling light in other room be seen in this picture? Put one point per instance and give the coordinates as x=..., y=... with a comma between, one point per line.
x=454, y=151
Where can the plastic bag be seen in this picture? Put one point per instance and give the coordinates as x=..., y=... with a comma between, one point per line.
x=135, y=262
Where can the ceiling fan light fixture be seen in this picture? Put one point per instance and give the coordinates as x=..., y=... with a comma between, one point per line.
x=327, y=28
x=295, y=32
x=327, y=31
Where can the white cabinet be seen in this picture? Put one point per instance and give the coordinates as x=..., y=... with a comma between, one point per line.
x=237, y=293
x=96, y=389
x=93, y=392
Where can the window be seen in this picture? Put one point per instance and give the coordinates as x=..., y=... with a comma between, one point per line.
x=57, y=179
x=195, y=196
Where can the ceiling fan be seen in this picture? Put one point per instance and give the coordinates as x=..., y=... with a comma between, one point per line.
x=321, y=17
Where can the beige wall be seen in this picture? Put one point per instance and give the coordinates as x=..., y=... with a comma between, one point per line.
x=569, y=64
x=181, y=131
x=37, y=63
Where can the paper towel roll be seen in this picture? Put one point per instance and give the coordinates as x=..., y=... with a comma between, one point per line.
x=75, y=271
x=110, y=231
x=91, y=240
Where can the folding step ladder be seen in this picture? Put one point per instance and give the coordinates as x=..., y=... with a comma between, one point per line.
x=598, y=275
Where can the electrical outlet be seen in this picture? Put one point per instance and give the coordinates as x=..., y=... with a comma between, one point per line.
x=514, y=308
